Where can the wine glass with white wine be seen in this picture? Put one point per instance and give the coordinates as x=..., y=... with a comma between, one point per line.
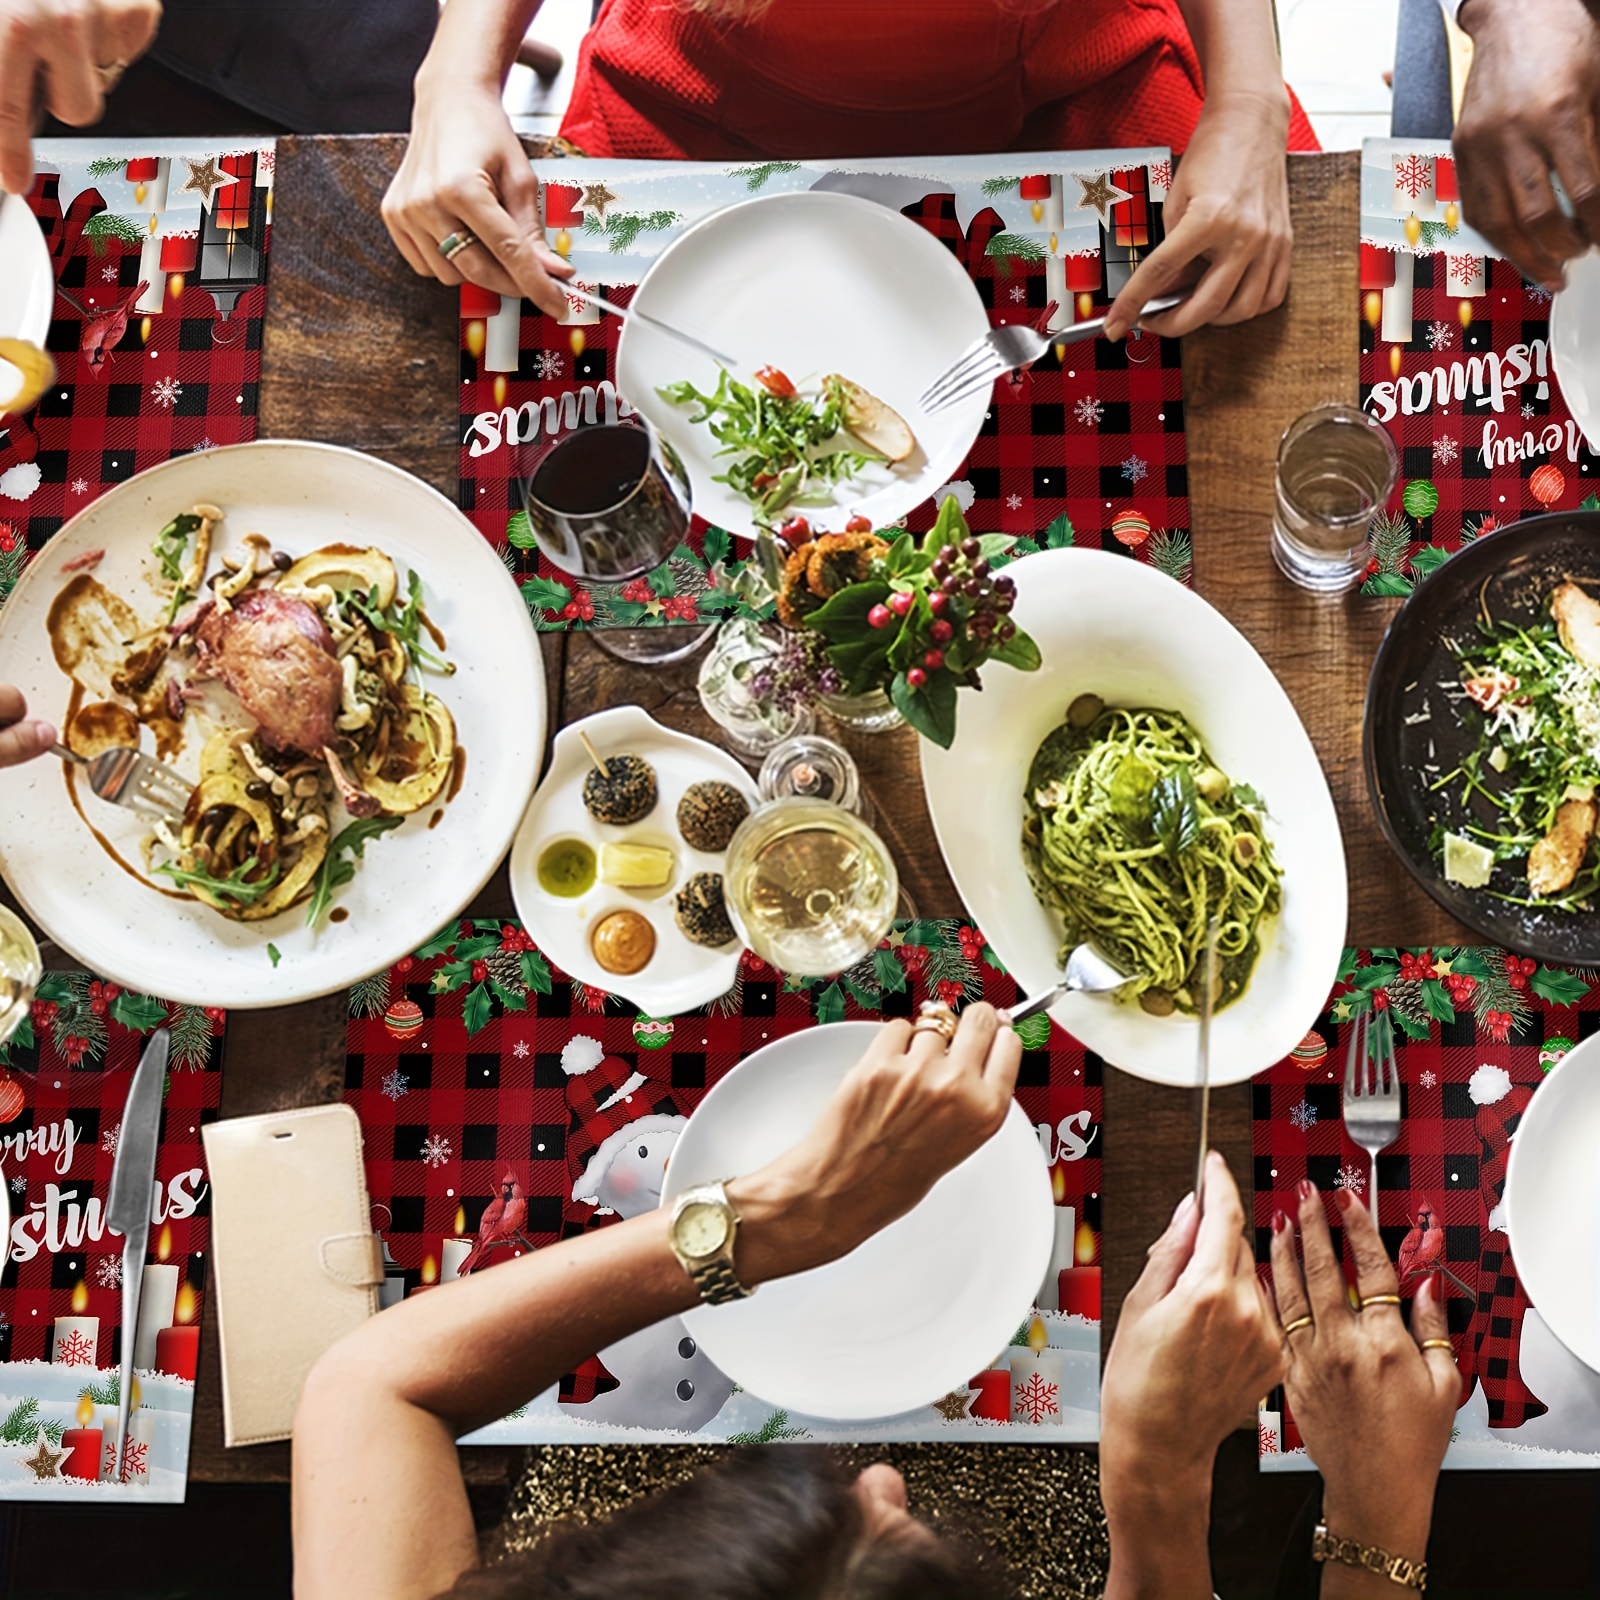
x=20, y=971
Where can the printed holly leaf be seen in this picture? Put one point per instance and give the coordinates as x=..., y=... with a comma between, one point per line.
x=545, y=594
x=476, y=1008
x=1378, y=976
x=1420, y=498
x=1414, y=1028
x=519, y=532
x=476, y=947
x=509, y=998
x=535, y=971
x=868, y=998
x=22, y=1038
x=1349, y=1006
x=888, y=971
x=1388, y=583
x=716, y=545
x=1348, y=961
x=990, y=959
x=138, y=1012
x=1034, y=1032
x=440, y=942
x=1059, y=535
x=1590, y=502
x=1436, y=1001
x=1558, y=987
x=931, y=710
x=830, y=1004
x=1428, y=559
x=663, y=581
x=927, y=934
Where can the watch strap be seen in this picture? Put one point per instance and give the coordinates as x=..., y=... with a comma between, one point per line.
x=1372, y=1558
x=718, y=1283
x=714, y=1277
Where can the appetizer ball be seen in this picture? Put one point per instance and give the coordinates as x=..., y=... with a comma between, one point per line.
x=701, y=914
x=625, y=792
x=709, y=813
x=623, y=942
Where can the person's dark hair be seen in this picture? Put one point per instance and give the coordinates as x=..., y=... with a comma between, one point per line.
x=779, y=1523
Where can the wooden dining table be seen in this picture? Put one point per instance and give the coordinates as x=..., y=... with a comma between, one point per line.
x=358, y=351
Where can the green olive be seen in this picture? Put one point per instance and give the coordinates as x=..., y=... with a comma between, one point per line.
x=1157, y=1002
x=1084, y=710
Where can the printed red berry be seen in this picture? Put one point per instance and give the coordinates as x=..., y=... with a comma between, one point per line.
x=98, y=1007
x=900, y=602
x=216, y=1015
x=111, y=990
x=879, y=617
x=933, y=660
x=404, y=964
x=1380, y=999
x=941, y=631
x=480, y=971
x=916, y=677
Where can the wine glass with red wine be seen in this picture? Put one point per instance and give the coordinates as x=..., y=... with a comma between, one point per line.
x=608, y=502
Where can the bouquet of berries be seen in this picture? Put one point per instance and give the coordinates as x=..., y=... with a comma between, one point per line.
x=918, y=622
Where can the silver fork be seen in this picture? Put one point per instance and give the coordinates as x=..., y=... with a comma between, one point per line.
x=591, y=299
x=1088, y=972
x=128, y=777
x=1015, y=345
x=1371, y=1099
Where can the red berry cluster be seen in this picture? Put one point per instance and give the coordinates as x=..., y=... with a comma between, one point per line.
x=972, y=943
x=950, y=992
x=9, y=538
x=480, y=971
x=639, y=591
x=216, y=1015
x=1417, y=967
x=680, y=608
x=1462, y=987
x=1497, y=1024
x=915, y=957
x=44, y=1012
x=514, y=940
x=101, y=995
x=579, y=606
x=72, y=1049
x=1380, y=999
x=1518, y=970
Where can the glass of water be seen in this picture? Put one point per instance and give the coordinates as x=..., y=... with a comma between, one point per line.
x=1336, y=470
x=20, y=971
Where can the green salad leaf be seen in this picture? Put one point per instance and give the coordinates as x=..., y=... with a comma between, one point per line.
x=1175, y=811
x=338, y=867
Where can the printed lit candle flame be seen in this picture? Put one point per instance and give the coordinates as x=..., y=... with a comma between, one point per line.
x=476, y=334
x=164, y=1243
x=563, y=243
x=152, y=225
x=1038, y=1339
x=1464, y=312
x=80, y=1298
x=576, y=339
x=144, y=330
x=461, y=1221
x=85, y=1412
x=139, y=192
x=499, y=388
x=1085, y=305
x=1053, y=241
x=1394, y=361
x=175, y=285
x=430, y=1270
x=1038, y=212
x=1372, y=308
x=1452, y=216
x=135, y=1394
x=1413, y=230
x=1058, y=1184
x=183, y=1306
x=1084, y=1247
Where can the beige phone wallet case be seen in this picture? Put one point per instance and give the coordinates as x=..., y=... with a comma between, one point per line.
x=295, y=1259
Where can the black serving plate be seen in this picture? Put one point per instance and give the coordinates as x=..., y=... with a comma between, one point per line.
x=1411, y=725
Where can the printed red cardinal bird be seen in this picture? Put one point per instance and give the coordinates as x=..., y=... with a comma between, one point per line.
x=102, y=330
x=1422, y=1250
x=501, y=1227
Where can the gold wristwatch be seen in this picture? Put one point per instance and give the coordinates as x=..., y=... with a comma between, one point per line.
x=702, y=1232
x=1397, y=1569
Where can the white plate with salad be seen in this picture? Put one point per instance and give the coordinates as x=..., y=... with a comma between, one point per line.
x=90, y=873
x=840, y=312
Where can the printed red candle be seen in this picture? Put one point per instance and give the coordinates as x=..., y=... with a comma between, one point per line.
x=179, y=252
x=178, y=1351
x=994, y=1395
x=1083, y=272
x=1080, y=1292
x=1444, y=179
x=83, y=1447
x=476, y=302
x=1377, y=267
x=561, y=208
x=143, y=169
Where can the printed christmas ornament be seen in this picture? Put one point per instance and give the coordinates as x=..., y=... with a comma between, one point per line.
x=1546, y=484
x=402, y=1019
x=1550, y=1052
x=1310, y=1053
x=1420, y=498
x=1131, y=528
x=12, y=1098
x=652, y=1033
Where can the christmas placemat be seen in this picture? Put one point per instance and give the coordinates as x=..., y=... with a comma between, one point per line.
x=63, y=1084
x=159, y=251
x=497, y=1099
x=1086, y=447
x=1455, y=363
x=1475, y=1030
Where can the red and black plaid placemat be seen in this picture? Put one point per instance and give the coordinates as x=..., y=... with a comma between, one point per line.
x=492, y=1089
x=1476, y=1031
x=141, y=376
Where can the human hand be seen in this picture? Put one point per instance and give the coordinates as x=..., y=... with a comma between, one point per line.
x=61, y=56
x=1374, y=1407
x=1530, y=107
x=20, y=740
x=907, y=1112
x=1227, y=223
x=464, y=167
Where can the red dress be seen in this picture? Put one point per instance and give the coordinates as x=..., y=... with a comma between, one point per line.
x=841, y=78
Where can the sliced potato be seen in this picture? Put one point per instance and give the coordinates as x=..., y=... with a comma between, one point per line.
x=295, y=884
x=226, y=791
x=407, y=765
x=878, y=426
x=343, y=567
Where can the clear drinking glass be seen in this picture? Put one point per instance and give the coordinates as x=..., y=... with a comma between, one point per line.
x=751, y=723
x=810, y=887
x=1336, y=469
x=20, y=971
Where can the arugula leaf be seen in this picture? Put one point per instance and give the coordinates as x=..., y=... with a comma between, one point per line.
x=336, y=870
x=403, y=620
x=1246, y=796
x=172, y=543
x=274, y=955
x=233, y=887
x=1175, y=811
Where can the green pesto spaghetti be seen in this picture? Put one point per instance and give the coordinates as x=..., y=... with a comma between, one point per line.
x=1139, y=840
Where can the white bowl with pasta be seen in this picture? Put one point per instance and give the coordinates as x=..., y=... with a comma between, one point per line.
x=1115, y=628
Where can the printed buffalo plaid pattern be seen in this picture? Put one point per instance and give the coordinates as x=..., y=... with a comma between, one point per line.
x=1450, y=1159
x=189, y=385
x=447, y=1114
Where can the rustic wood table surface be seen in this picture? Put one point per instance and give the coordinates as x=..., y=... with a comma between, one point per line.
x=360, y=352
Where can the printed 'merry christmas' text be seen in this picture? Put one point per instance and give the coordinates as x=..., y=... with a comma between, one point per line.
x=59, y=1139
x=1489, y=379
x=523, y=424
x=59, y=1223
x=1065, y=1142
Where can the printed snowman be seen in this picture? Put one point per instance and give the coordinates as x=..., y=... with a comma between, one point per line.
x=622, y=1127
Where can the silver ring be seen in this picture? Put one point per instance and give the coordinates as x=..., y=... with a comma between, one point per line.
x=454, y=243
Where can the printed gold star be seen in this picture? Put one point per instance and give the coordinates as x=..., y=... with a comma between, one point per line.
x=204, y=179
x=441, y=984
x=896, y=937
x=1100, y=194
x=953, y=1408
x=45, y=1462
x=596, y=197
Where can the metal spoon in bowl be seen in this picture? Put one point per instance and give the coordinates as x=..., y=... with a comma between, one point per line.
x=1088, y=972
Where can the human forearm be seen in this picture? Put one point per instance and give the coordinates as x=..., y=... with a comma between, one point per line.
x=475, y=44
x=1238, y=51
x=1159, y=1527
x=1396, y=1522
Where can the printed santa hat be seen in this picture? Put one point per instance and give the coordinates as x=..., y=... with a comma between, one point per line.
x=608, y=1106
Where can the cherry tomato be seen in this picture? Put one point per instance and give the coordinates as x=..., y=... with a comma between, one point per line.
x=858, y=524
x=775, y=383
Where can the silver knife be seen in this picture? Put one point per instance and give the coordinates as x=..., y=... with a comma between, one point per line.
x=133, y=1181
x=1208, y=987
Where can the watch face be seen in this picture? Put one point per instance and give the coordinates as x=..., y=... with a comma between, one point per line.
x=701, y=1229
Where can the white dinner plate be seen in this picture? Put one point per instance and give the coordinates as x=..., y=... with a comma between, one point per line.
x=1113, y=627
x=810, y=283
x=681, y=974
x=27, y=285
x=1552, y=1201
x=905, y=1317
x=1575, y=343
x=413, y=880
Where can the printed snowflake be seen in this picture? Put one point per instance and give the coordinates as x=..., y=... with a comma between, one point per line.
x=395, y=1084
x=1441, y=336
x=1303, y=1115
x=1465, y=270
x=520, y=1049
x=436, y=1150
x=1537, y=293
x=135, y=1460
x=1160, y=173
x=19, y=1185
x=1427, y=1080
x=80, y=486
x=1266, y=1440
x=206, y=443
x=74, y=1350
x=1135, y=469
x=1088, y=411
x=1413, y=174
x=1445, y=450
x=108, y=1272
x=549, y=364
x=1013, y=502
x=1527, y=409
x=165, y=391
x=109, y=274
x=1350, y=1177
x=108, y=1139
x=1036, y=1399
x=1018, y=293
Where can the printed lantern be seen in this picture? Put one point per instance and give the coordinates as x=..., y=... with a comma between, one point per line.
x=1036, y=189
x=1546, y=485
x=561, y=212
x=1083, y=278
x=1310, y=1053
x=1444, y=189
x=231, y=204
x=142, y=170
x=402, y=1019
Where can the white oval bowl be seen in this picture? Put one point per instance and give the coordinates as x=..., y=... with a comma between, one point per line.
x=1575, y=343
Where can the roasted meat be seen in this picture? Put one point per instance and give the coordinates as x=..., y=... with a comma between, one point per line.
x=276, y=654
x=1578, y=622
x=1554, y=862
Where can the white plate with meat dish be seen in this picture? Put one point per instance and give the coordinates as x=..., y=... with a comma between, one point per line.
x=812, y=285
x=618, y=875
x=298, y=705
x=911, y=1313
x=1136, y=641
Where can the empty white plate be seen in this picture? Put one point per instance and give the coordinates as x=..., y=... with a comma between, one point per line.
x=916, y=1310
x=1575, y=343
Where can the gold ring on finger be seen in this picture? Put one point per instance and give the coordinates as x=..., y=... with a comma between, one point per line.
x=454, y=243
x=1378, y=1300
x=1298, y=1324
x=934, y=1016
x=1439, y=1344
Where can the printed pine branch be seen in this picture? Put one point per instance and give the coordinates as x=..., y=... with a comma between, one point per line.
x=622, y=228
x=1391, y=542
x=946, y=964
x=105, y=166
x=731, y=1003
x=1172, y=553
x=1496, y=993
x=1005, y=248
x=104, y=225
x=105, y=1391
x=756, y=176
x=21, y=1424
x=994, y=186
x=370, y=997
x=191, y=1038
x=774, y=1428
x=12, y=562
